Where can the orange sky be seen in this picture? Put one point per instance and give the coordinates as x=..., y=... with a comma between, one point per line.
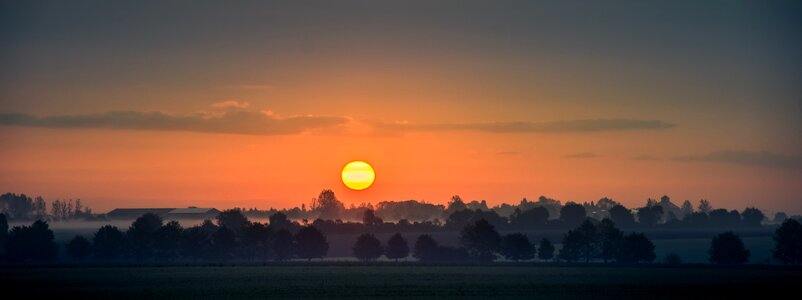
x=262, y=106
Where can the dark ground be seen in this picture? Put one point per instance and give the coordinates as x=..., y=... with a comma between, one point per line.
x=300, y=280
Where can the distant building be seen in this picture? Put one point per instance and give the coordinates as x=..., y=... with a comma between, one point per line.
x=133, y=213
x=193, y=213
x=165, y=213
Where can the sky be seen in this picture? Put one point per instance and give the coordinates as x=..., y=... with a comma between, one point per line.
x=261, y=104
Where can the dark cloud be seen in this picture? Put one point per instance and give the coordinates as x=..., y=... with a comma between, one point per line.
x=581, y=155
x=234, y=122
x=754, y=158
x=592, y=125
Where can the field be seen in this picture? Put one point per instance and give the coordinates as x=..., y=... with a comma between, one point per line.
x=301, y=281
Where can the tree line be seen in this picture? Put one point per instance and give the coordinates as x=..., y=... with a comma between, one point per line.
x=233, y=237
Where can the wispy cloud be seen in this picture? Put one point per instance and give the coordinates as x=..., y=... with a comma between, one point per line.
x=247, y=87
x=741, y=157
x=590, y=125
x=233, y=122
x=231, y=104
x=581, y=155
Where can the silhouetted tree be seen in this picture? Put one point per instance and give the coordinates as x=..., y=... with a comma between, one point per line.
x=223, y=244
x=79, y=248
x=256, y=240
x=233, y=219
x=531, y=218
x=481, y=240
x=108, y=243
x=622, y=216
x=425, y=248
x=788, y=239
x=33, y=243
x=167, y=241
x=397, y=247
x=3, y=233
x=367, y=247
x=581, y=243
x=140, y=236
x=649, y=216
x=195, y=242
x=370, y=219
x=279, y=221
x=327, y=205
x=752, y=217
x=516, y=246
x=704, y=206
x=283, y=246
x=635, y=248
x=454, y=205
x=610, y=238
x=311, y=243
x=572, y=214
x=545, y=250
x=727, y=248
x=721, y=218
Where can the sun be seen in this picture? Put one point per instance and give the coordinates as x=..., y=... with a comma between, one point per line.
x=358, y=175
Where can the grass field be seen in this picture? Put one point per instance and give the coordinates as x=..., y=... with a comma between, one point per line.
x=397, y=281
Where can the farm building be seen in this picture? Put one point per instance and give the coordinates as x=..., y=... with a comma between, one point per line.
x=165, y=213
x=193, y=213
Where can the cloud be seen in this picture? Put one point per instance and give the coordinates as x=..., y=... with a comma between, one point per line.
x=231, y=104
x=248, y=87
x=581, y=155
x=233, y=122
x=752, y=158
x=590, y=125
x=645, y=157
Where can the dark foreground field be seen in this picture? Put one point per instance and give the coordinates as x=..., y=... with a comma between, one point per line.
x=404, y=281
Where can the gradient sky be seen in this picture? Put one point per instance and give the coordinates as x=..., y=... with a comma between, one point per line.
x=143, y=104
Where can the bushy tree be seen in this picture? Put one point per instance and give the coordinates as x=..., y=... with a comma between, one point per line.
x=256, y=240
x=545, y=250
x=194, y=242
x=108, y=243
x=327, y=205
x=622, y=216
x=727, y=248
x=635, y=248
x=3, y=232
x=581, y=243
x=369, y=218
x=167, y=241
x=223, y=244
x=79, y=248
x=311, y=243
x=516, y=246
x=367, y=247
x=425, y=248
x=610, y=239
x=481, y=240
x=397, y=247
x=752, y=217
x=233, y=219
x=141, y=235
x=279, y=221
x=572, y=214
x=788, y=239
x=536, y=217
x=34, y=243
x=650, y=215
x=283, y=245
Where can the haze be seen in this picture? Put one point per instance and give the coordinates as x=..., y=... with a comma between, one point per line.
x=146, y=104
